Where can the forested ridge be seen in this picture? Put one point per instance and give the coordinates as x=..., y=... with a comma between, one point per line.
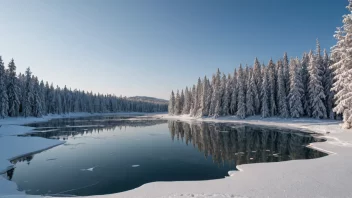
x=285, y=88
x=24, y=95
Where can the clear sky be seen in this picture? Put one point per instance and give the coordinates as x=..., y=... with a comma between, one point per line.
x=149, y=47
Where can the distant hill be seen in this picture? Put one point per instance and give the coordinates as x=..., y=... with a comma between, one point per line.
x=148, y=99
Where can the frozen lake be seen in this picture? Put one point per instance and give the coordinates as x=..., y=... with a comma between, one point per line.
x=104, y=155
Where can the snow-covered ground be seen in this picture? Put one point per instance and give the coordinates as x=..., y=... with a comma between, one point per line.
x=328, y=176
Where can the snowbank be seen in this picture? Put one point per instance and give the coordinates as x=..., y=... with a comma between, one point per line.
x=323, y=177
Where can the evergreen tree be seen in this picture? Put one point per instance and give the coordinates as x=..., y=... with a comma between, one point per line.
x=233, y=105
x=241, y=109
x=257, y=75
x=4, y=103
x=327, y=83
x=216, y=100
x=186, y=105
x=305, y=80
x=286, y=72
x=227, y=96
x=265, y=93
x=28, y=95
x=204, y=98
x=172, y=103
x=37, y=103
x=282, y=96
x=342, y=67
x=272, y=85
x=182, y=101
x=177, y=107
x=315, y=87
x=296, y=89
x=250, y=106
x=13, y=90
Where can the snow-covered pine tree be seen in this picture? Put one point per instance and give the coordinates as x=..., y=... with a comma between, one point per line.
x=204, y=98
x=315, y=87
x=187, y=102
x=37, y=103
x=233, y=105
x=223, y=96
x=171, y=103
x=4, y=103
x=282, y=96
x=327, y=83
x=250, y=108
x=305, y=80
x=296, y=89
x=177, y=106
x=265, y=93
x=227, y=96
x=342, y=68
x=286, y=71
x=272, y=85
x=241, y=105
x=28, y=94
x=196, y=99
x=182, y=101
x=42, y=97
x=208, y=98
x=216, y=94
x=58, y=100
x=257, y=75
x=13, y=90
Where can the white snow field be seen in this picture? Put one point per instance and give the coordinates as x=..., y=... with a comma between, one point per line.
x=328, y=176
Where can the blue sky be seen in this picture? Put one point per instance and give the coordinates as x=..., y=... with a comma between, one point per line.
x=149, y=47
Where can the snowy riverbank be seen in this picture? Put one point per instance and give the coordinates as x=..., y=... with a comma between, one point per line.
x=323, y=177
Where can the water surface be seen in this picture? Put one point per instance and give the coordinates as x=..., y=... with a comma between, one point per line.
x=104, y=155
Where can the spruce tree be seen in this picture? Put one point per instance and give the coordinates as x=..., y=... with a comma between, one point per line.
x=241, y=106
x=305, y=80
x=233, y=105
x=296, y=89
x=315, y=87
x=327, y=83
x=177, y=106
x=342, y=68
x=257, y=75
x=13, y=90
x=282, y=96
x=250, y=106
x=265, y=93
x=37, y=103
x=28, y=94
x=272, y=85
x=172, y=103
x=4, y=103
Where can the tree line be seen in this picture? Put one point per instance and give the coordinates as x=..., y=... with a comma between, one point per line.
x=286, y=88
x=317, y=86
x=24, y=95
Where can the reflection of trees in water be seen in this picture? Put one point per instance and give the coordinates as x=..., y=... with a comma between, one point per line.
x=244, y=144
x=9, y=174
x=65, y=128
